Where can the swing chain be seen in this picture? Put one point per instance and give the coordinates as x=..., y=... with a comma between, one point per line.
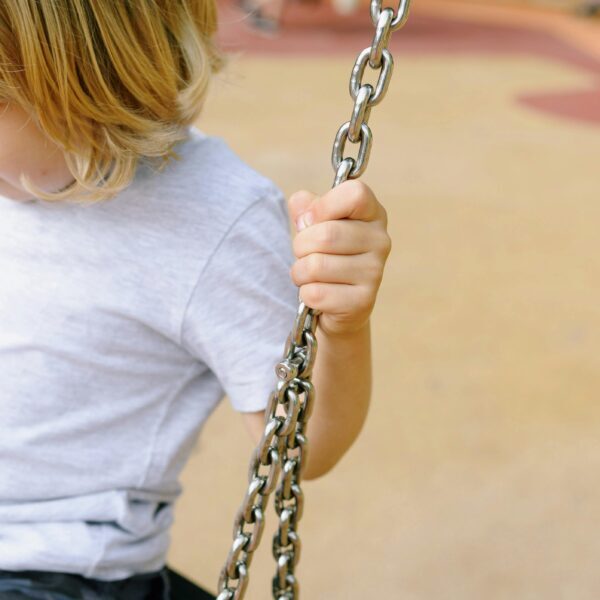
x=365, y=96
x=400, y=17
x=301, y=349
x=282, y=449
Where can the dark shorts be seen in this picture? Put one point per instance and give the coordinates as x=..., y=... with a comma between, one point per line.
x=46, y=585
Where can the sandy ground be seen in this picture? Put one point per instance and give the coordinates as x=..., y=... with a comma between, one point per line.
x=476, y=476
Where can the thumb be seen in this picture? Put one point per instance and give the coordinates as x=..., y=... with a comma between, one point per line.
x=299, y=203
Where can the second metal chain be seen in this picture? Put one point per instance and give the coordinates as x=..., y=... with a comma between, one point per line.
x=282, y=449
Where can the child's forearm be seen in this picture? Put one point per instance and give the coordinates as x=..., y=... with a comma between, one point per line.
x=342, y=377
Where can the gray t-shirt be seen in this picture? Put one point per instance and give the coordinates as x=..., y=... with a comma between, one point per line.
x=122, y=326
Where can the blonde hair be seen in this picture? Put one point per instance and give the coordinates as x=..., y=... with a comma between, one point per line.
x=110, y=81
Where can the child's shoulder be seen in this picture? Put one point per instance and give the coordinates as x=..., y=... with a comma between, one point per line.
x=202, y=196
x=208, y=174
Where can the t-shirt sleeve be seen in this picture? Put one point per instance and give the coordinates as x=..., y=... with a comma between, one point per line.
x=244, y=304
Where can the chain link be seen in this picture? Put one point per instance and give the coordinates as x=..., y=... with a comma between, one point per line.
x=278, y=460
x=399, y=18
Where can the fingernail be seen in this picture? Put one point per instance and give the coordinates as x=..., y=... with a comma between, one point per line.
x=304, y=220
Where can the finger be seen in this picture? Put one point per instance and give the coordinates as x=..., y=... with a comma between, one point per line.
x=337, y=237
x=339, y=299
x=299, y=202
x=350, y=200
x=333, y=268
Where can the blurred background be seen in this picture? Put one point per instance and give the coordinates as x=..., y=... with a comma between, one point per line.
x=477, y=474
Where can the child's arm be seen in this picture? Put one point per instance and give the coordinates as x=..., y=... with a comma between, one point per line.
x=341, y=256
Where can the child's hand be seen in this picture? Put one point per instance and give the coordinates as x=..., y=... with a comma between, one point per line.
x=341, y=245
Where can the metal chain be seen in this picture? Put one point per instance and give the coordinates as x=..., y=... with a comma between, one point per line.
x=282, y=449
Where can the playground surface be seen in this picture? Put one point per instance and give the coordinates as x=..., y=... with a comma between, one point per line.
x=476, y=476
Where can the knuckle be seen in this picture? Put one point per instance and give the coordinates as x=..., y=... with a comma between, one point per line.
x=384, y=214
x=386, y=245
x=357, y=191
x=365, y=299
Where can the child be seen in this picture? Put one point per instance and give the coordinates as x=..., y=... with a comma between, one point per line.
x=145, y=272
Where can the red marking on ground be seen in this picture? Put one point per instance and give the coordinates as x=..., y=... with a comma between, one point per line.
x=579, y=106
x=319, y=31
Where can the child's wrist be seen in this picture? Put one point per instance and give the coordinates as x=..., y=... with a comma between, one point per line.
x=345, y=332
